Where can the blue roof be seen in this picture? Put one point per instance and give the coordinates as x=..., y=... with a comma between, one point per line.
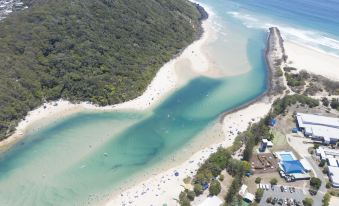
x=293, y=166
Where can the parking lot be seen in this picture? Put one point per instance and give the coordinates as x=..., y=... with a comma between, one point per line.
x=286, y=196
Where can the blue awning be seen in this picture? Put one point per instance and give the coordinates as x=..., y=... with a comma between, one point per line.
x=293, y=166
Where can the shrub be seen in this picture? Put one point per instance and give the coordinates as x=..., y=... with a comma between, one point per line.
x=273, y=181
x=187, y=180
x=258, y=194
x=325, y=101
x=315, y=182
x=326, y=199
x=322, y=163
x=308, y=201
x=190, y=195
x=325, y=170
x=183, y=199
x=258, y=180
x=328, y=185
x=198, y=189
x=215, y=188
x=221, y=178
x=335, y=104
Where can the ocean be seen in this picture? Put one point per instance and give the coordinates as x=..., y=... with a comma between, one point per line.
x=310, y=23
x=82, y=159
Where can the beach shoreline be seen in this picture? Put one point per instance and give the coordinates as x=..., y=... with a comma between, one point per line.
x=313, y=61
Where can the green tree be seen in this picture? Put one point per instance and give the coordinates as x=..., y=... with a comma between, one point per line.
x=190, y=195
x=325, y=170
x=183, y=199
x=274, y=181
x=70, y=52
x=259, y=194
x=246, y=166
x=198, y=189
x=326, y=199
x=308, y=201
x=315, y=182
x=322, y=163
x=325, y=101
x=215, y=188
x=258, y=180
x=328, y=185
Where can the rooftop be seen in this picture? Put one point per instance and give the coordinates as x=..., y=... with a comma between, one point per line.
x=306, y=165
x=317, y=120
x=212, y=201
x=333, y=173
x=332, y=162
x=293, y=166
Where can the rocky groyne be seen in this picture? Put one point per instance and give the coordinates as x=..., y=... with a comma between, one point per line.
x=275, y=59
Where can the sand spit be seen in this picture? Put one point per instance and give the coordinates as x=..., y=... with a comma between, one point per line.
x=312, y=61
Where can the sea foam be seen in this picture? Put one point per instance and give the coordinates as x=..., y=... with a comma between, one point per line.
x=319, y=41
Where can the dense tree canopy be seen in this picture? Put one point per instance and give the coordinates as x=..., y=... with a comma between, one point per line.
x=102, y=51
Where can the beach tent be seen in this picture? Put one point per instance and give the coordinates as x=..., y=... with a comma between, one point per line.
x=273, y=122
x=205, y=186
x=293, y=166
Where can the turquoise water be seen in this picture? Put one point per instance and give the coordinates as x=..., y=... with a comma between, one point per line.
x=89, y=155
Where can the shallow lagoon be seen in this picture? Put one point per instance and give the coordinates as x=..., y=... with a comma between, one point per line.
x=93, y=153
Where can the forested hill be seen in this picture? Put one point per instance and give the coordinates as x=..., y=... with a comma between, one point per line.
x=102, y=51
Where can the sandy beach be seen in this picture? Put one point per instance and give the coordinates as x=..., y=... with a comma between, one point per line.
x=312, y=61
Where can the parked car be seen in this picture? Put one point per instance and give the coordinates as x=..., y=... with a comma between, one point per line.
x=285, y=189
x=282, y=188
x=280, y=201
x=313, y=192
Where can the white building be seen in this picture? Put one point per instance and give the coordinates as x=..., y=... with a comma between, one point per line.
x=306, y=165
x=212, y=201
x=326, y=153
x=333, y=174
x=319, y=127
x=245, y=194
x=331, y=161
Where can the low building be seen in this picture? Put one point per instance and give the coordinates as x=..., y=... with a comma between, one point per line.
x=333, y=175
x=293, y=169
x=331, y=161
x=264, y=145
x=306, y=165
x=294, y=166
x=325, y=129
x=212, y=201
x=325, y=153
x=248, y=197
